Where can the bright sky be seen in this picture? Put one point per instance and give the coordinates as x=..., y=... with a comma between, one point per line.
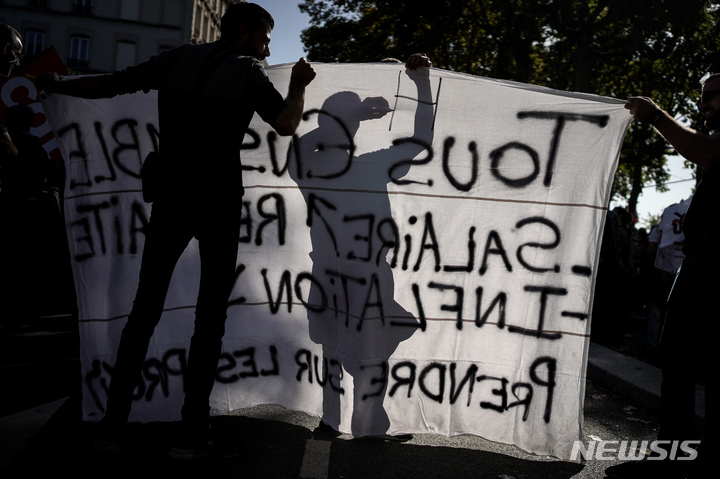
x=286, y=47
x=652, y=203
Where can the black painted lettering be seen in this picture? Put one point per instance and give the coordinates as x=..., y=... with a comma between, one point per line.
x=373, y=300
x=560, y=119
x=272, y=148
x=344, y=278
x=475, y=160
x=253, y=144
x=303, y=358
x=494, y=238
x=422, y=380
x=138, y=224
x=498, y=302
x=85, y=237
x=126, y=128
x=226, y=363
x=175, y=362
x=471, y=255
x=391, y=241
x=549, y=381
x=117, y=228
x=246, y=223
x=316, y=308
x=379, y=381
x=545, y=246
x=408, y=380
x=468, y=379
x=349, y=147
x=456, y=307
x=366, y=238
x=336, y=385
x=154, y=135
x=540, y=332
x=111, y=176
x=277, y=216
x=275, y=371
x=246, y=359
x=321, y=380
x=283, y=286
x=78, y=154
x=522, y=401
x=501, y=392
x=241, y=299
x=156, y=375
x=497, y=156
x=97, y=223
x=422, y=322
x=313, y=210
x=429, y=241
x=402, y=166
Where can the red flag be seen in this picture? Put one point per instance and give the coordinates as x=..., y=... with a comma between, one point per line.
x=20, y=89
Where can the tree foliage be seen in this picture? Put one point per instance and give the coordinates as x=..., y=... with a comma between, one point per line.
x=615, y=48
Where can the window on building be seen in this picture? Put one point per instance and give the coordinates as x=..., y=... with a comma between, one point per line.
x=205, y=35
x=124, y=54
x=79, y=51
x=130, y=9
x=34, y=42
x=197, y=27
x=82, y=6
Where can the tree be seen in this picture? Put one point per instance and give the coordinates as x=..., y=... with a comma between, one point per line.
x=485, y=38
x=624, y=48
x=615, y=48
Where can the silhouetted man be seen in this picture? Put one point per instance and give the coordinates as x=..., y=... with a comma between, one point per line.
x=207, y=95
x=685, y=343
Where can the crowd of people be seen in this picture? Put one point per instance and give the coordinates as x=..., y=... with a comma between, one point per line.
x=633, y=282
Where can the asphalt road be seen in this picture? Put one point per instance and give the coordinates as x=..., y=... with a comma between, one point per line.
x=278, y=443
x=274, y=442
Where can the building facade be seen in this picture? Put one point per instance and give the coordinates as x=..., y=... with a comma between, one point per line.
x=96, y=36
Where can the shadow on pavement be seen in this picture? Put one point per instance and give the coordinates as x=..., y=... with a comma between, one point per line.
x=270, y=449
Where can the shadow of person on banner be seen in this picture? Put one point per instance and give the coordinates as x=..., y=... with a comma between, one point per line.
x=352, y=311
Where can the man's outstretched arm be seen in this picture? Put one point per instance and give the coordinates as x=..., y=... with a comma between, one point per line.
x=701, y=149
x=289, y=119
x=94, y=86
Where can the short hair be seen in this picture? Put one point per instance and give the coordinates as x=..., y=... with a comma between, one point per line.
x=19, y=118
x=8, y=34
x=711, y=77
x=250, y=15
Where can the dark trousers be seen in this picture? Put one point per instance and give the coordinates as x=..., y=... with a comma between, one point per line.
x=693, y=305
x=168, y=233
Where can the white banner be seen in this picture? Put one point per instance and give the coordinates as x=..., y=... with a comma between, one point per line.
x=419, y=258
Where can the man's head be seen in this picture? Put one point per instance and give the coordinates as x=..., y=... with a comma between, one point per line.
x=19, y=118
x=10, y=48
x=247, y=27
x=709, y=103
